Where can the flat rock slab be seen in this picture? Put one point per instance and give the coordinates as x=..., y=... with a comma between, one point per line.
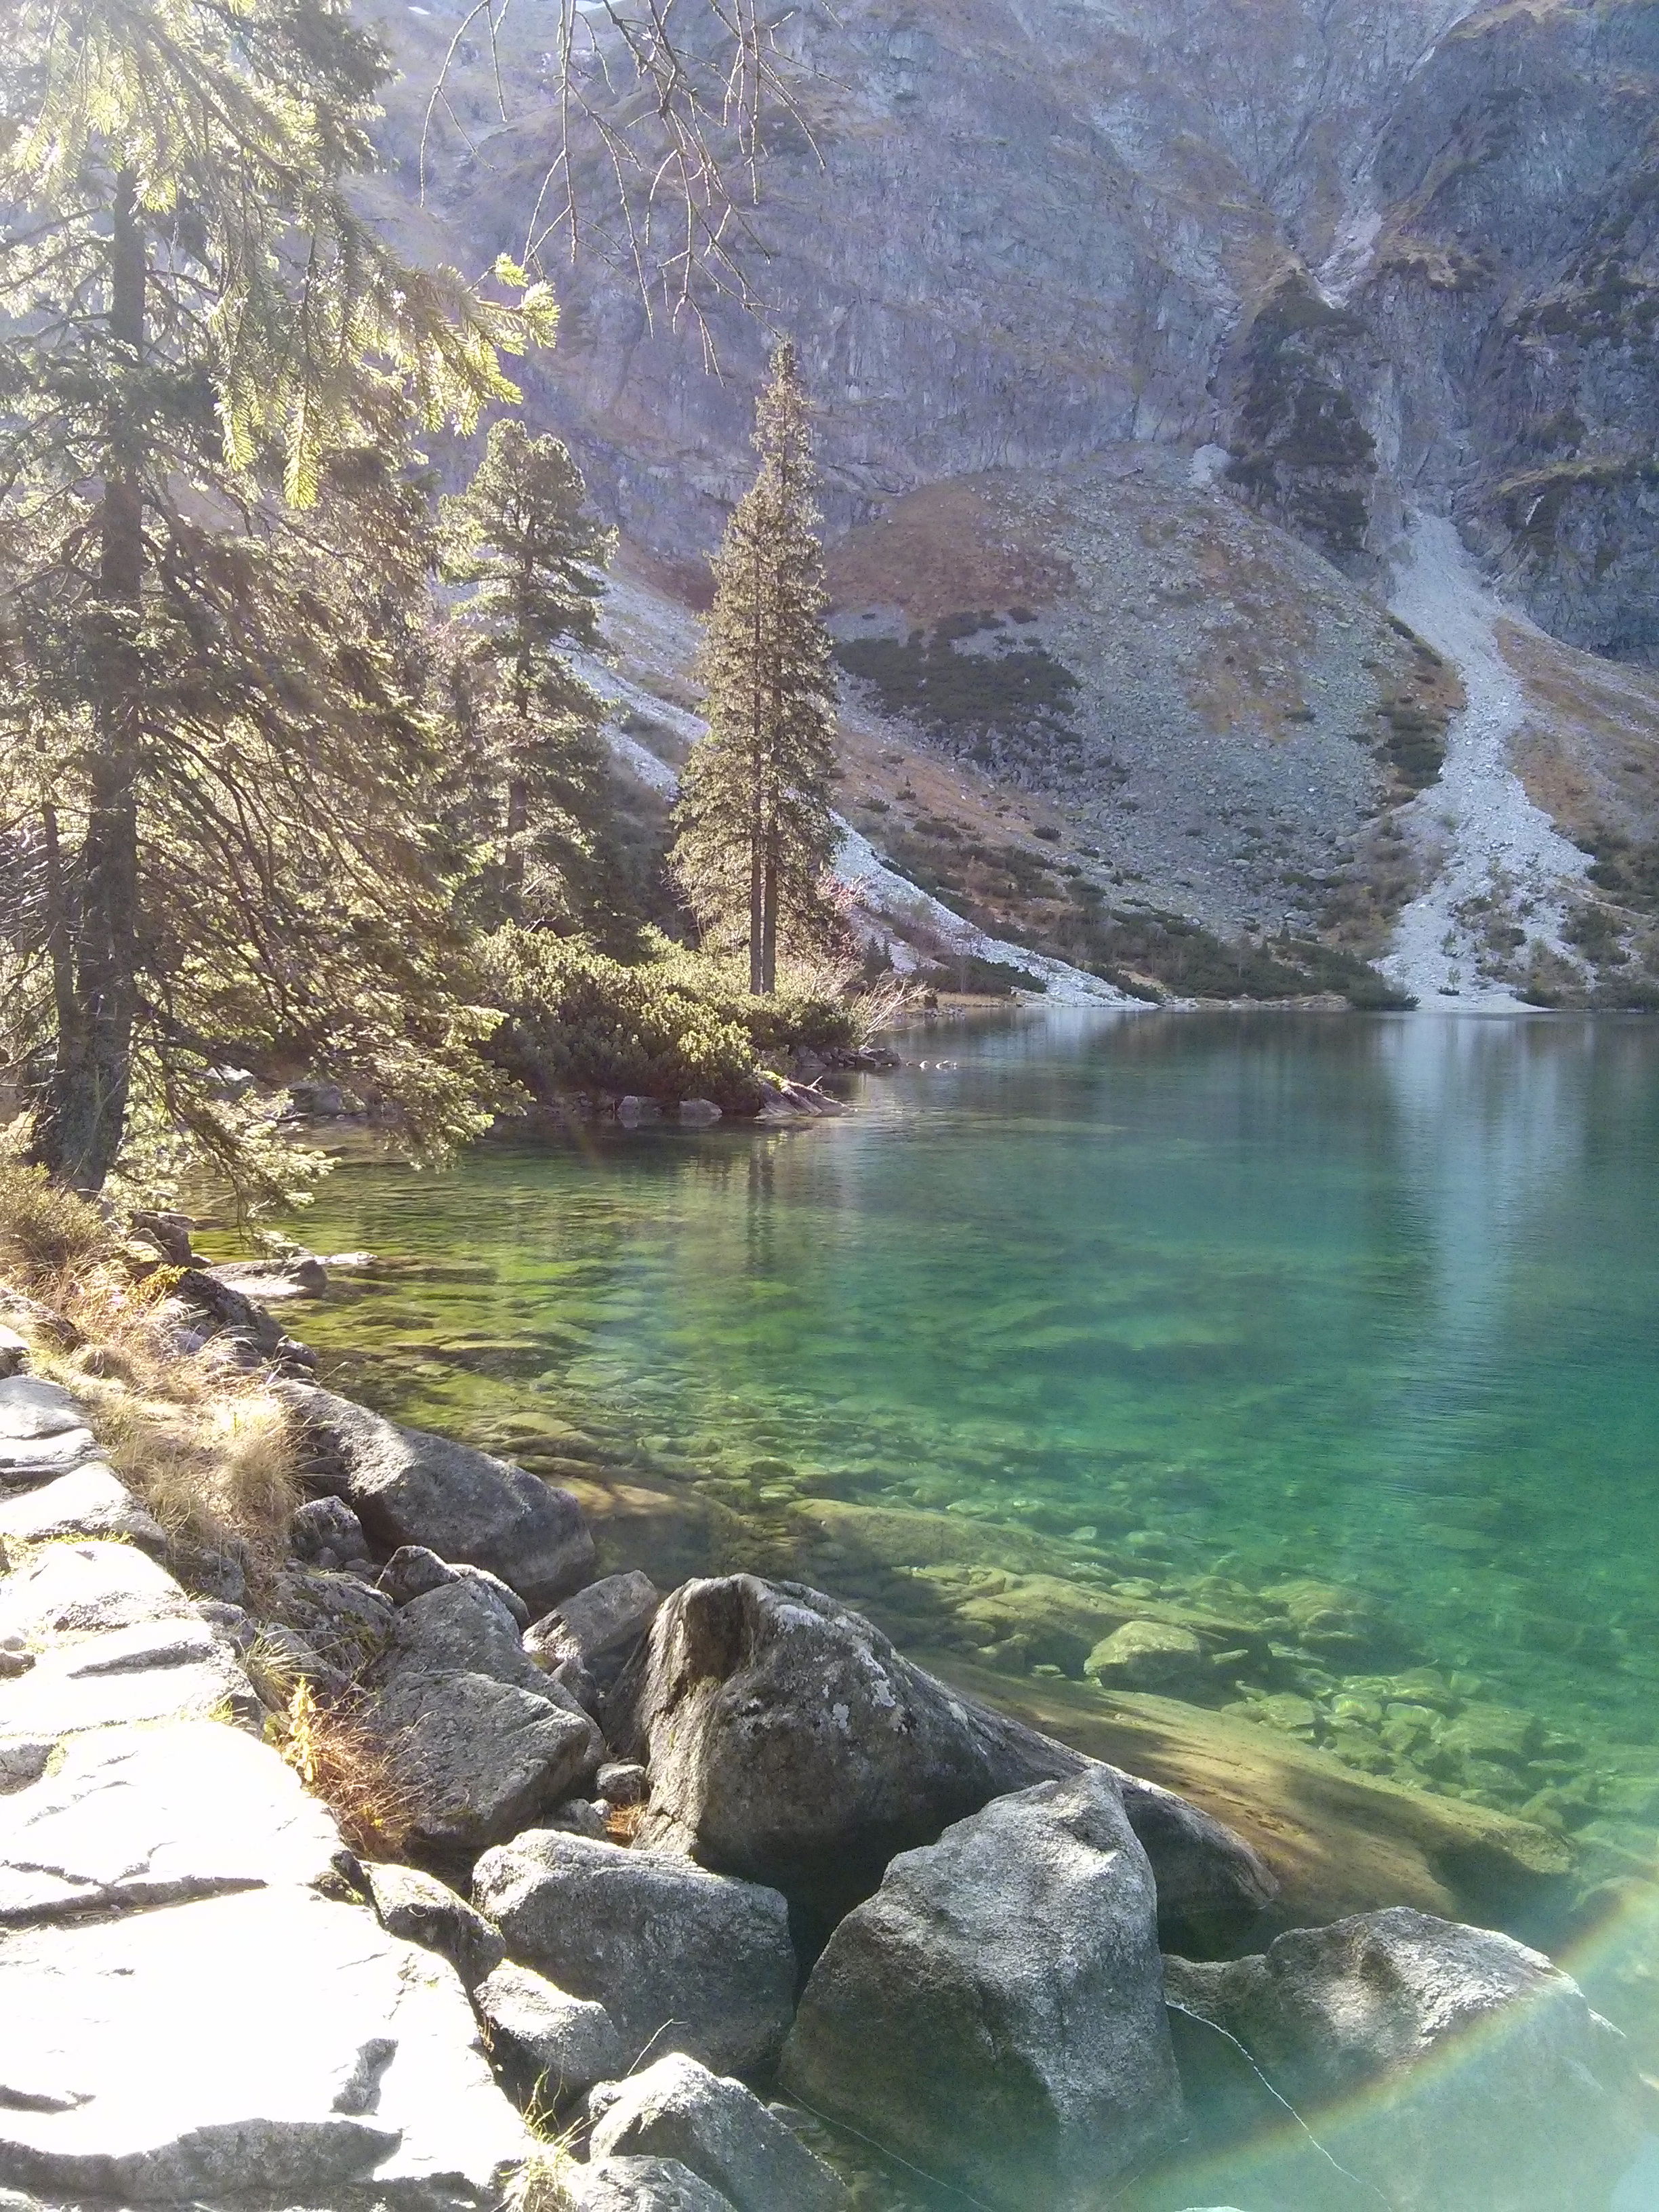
x=272, y=2045
x=32, y=1407
x=75, y=1591
x=149, y=1816
x=91, y=1502
x=165, y=1670
x=25, y=1461
x=682, y=1960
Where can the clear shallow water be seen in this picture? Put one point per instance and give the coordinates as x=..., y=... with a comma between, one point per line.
x=1372, y=1299
x=1253, y=1297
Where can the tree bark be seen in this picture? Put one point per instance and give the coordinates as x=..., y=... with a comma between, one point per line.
x=84, y=1117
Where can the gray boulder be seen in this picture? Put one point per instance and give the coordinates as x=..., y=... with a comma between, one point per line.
x=324, y=1532
x=598, y=1622
x=409, y=1487
x=344, y=1619
x=14, y=1354
x=412, y=1572
x=26, y=1460
x=682, y=1960
x=558, y=2045
x=90, y=1503
x=715, y=2127
x=995, y=2014
x=638, y=2184
x=788, y=1742
x=474, y=1731
x=78, y=1590
x=1504, y=2092
x=422, y=1910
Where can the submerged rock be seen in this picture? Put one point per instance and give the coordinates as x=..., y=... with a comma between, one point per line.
x=682, y=1960
x=407, y=1486
x=718, y=2129
x=1148, y=1654
x=995, y=2014
x=1495, y=2087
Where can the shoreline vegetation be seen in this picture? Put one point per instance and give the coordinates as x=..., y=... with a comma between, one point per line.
x=461, y=1656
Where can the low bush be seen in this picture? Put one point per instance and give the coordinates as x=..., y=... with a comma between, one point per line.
x=677, y=1025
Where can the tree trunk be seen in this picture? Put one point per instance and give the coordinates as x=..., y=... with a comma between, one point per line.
x=84, y=1116
x=769, y=922
x=757, y=823
x=757, y=905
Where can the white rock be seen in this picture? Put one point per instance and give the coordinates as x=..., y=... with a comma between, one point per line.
x=271, y=2044
x=30, y=1406
x=25, y=1461
x=87, y=1589
x=149, y=1816
x=90, y=1502
x=679, y=2109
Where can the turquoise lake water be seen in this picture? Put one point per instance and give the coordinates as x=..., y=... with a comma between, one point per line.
x=1375, y=1299
x=1211, y=1304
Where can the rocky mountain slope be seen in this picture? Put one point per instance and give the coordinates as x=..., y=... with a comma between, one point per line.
x=1161, y=325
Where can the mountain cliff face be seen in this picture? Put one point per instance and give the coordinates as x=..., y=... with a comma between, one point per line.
x=1331, y=261
x=1374, y=249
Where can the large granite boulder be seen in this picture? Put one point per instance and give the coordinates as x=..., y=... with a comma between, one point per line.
x=790, y=1743
x=407, y=1486
x=598, y=1624
x=270, y=2046
x=994, y=2013
x=682, y=1960
x=719, y=2131
x=1493, y=2086
x=132, y=1817
x=479, y=1737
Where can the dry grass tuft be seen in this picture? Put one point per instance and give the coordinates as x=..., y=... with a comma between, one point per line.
x=207, y=1447
x=341, y=1759
x=46, y=1233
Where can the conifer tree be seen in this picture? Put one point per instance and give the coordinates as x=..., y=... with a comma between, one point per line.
x=534, y=761
x=755, y=832
x=208, y=750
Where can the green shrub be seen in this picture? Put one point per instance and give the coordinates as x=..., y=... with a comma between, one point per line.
x=678, y=1026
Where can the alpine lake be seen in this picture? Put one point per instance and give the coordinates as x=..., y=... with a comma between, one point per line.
x=1324, y=1346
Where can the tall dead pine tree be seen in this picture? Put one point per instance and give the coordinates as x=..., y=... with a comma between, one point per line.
x=754, y=833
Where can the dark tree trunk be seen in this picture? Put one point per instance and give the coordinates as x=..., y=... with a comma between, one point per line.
x=95, y=983
x=769, y=924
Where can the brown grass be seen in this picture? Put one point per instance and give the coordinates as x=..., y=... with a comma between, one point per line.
x=207, y=1447
x=342, y=1760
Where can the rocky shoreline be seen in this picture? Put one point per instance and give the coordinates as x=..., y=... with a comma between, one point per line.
x=708, y=1901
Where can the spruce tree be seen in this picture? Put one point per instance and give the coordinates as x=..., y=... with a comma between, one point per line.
x=534, y=764
x=755, y=832
x=208, y=750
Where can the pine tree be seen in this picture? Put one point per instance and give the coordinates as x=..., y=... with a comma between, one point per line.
x=534, y=761
x=206, y=742
x=755, y=832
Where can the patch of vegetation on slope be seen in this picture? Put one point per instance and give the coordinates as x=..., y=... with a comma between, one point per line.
x=982, y=704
